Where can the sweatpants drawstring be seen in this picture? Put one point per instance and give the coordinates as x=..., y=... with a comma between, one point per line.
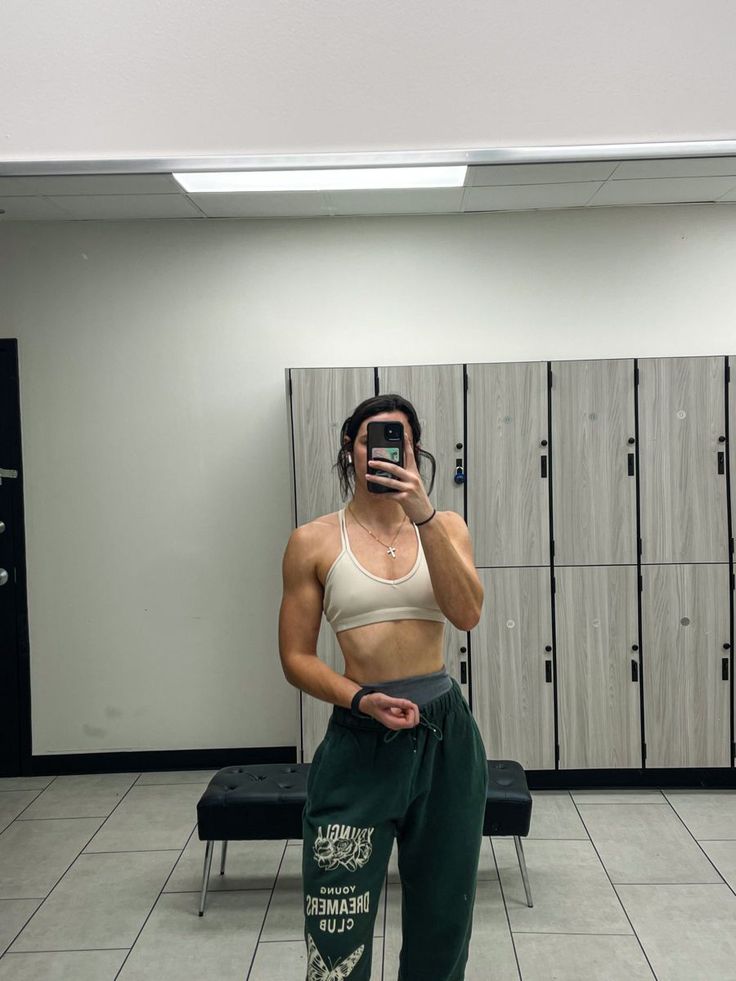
x=393, y=733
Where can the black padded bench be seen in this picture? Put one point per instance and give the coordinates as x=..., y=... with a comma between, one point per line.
x=266, y=800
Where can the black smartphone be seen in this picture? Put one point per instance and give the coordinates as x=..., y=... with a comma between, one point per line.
x=385, y=442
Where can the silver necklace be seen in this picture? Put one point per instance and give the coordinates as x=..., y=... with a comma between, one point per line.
x=390, y=549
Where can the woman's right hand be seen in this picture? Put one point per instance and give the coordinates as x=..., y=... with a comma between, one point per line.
x=394, y=713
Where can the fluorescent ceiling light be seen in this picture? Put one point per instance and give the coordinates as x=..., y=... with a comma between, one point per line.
x=324, y=180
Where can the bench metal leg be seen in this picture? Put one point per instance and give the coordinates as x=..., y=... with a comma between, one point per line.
x=522, y=866
x=206, y=875
x=222, y=859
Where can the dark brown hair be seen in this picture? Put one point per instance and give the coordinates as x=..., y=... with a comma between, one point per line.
x=371, y=407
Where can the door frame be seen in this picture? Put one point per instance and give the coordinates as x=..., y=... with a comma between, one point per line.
x=15, y=729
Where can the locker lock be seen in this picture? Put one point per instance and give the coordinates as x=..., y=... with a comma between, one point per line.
x=727, y=647
x=548, y=648
x=459, y=477
x=721, y=439
x=631, y=440
x=635, y=647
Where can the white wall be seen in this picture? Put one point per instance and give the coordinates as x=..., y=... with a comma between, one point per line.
x=121, y=78
x=152, y=360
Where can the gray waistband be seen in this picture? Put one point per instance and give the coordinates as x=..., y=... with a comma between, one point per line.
x=419, y=688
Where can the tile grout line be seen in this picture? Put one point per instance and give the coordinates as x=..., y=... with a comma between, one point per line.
x=265, y=913
x=62, y=950
x=615, y=891
x=505, y=908
x=40, y=905
x=715, y=868
x=24, y=809
x=155, y=902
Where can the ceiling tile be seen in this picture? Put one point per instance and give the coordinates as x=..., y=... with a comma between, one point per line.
x=550, y=173
x=529, y=196
x=693, y=167
x=663, y=190
x=262, y=204
x=31, y=209
x=126, y=206
x=439, y=200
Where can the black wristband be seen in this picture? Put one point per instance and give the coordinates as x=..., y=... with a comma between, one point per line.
x=417, y=523
x=356, y=698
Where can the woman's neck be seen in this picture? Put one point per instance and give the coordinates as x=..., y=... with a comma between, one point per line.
x=379, y=515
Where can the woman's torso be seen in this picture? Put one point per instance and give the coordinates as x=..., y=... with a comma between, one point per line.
x=391, y=649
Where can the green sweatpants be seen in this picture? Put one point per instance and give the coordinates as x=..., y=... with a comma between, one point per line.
x=425, y=786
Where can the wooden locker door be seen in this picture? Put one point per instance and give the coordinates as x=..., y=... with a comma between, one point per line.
x=593, y=472
x=508, y=498
x=683, y=496
x=685, y=622
x=321, y=400
x=513, y=702
x=437, y=393
x=598, y=701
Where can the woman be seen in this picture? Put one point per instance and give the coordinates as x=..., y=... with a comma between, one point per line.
x=402, y=756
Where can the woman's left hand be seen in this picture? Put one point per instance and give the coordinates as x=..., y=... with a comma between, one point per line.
x=410, y=492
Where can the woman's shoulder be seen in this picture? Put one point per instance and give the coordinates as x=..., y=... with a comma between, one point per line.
x=318, y=529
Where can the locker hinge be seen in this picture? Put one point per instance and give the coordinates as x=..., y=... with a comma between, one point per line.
x=554, y=585
x=553, y=548
x=467, y=383
x=641, y=584
x=733, y=581
x=733, y=751
x=640, y=548
x=557, y=754
x=730, y=545
x=644, y=752
x=636, y=375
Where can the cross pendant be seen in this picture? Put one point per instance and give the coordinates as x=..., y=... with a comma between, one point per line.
x=391, y=551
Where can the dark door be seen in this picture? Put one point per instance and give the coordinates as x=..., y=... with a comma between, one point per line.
x=15, y=749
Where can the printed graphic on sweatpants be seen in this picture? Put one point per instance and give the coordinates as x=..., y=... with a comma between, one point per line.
x=343, y=845
x=338, y=906
x=317, y=970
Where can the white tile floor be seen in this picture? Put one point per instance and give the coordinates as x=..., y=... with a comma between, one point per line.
x=100, y=878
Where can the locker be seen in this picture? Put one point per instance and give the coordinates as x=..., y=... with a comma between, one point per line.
x=593, y=463
x=513, y=696
x=685, y=624
x=508, y=491
x=597, y=649
x=684, y=515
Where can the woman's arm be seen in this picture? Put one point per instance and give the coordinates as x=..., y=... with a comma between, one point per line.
x=299, y=623
x=449, y=553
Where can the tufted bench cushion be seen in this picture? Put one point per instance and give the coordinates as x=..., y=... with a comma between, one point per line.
x=266, y=800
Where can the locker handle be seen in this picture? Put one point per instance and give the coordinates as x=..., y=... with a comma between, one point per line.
x=634, y=670
x=548, y=671
x=463, y=672
x=544, y=465
x=631, y=464
x=724, y=668
x=720, y=462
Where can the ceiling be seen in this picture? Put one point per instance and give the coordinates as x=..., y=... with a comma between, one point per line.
x=488, y=187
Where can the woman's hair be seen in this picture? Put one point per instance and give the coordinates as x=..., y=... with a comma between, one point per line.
x=371, y=407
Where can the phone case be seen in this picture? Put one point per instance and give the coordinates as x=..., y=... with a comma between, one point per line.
x=381, y=448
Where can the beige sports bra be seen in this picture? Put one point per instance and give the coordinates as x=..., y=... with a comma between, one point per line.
x=354, y=597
